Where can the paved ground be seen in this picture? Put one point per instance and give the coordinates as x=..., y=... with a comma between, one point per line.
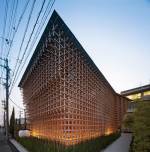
x=122, y=144
x=4, y=147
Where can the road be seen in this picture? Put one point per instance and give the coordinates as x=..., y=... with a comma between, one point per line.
x=4, y=147
x=122, y=144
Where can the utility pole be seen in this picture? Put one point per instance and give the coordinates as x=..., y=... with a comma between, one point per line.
x=7, y=94
x=20, y=124
x=7, y=98
x=4, y=121
x=20, y=119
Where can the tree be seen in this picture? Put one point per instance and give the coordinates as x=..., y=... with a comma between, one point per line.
x=12, y=123
x=141, y=128
x=128, y=121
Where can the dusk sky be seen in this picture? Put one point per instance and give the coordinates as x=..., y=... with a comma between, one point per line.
x=115, y=34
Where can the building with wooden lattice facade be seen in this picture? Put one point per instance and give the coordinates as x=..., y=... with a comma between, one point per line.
x=67, y=98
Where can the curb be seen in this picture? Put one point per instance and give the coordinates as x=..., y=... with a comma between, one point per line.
x=16, y=147
x=12, y=147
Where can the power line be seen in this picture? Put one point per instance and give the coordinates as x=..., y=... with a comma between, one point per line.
x=44, y=17
x=16, y=74
x=16, y=104
x=4, y=30
x=31, y=48
x=18, y=24
x=10, y=22
x=10, y=18
x=24, y=35
x=33, y=29
x=16, y=28
x=12, y=26
x=39, y=29
x=27, y=25
x=4, y=27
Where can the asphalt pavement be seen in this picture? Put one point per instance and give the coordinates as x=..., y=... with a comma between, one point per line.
x=122, y=144
x=4, y=146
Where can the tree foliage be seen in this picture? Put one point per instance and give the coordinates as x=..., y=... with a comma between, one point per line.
x=141, y=128
x=12, y=123
x=128, y=121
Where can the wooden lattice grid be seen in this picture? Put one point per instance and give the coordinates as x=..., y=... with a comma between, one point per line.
x=66, y=96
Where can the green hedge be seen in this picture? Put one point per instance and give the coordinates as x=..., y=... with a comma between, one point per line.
x=141, y=128
x=41, y=145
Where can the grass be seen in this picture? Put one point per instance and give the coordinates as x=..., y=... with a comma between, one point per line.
x=42, y=145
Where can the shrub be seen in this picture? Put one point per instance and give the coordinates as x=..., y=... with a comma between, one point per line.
x=42, y=145
x=141, y=128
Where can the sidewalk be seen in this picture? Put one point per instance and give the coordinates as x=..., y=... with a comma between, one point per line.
x=4, y=147
x=122, y=144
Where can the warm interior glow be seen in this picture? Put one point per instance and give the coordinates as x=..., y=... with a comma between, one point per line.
x=71, y=138
x=146, y=93
x=134, y=96
x=108, y=131
x=35, y=133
